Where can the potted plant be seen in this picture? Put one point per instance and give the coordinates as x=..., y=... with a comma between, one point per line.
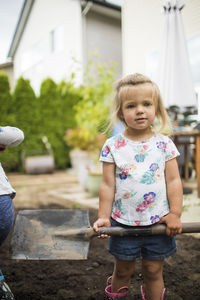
x=85, y=156
x=91, y=116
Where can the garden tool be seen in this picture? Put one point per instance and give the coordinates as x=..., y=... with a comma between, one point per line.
x=51, y=234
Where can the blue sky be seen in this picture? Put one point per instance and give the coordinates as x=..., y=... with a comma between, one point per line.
x=9, y=14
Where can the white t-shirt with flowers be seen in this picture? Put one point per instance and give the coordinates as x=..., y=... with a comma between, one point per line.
x=140, y=196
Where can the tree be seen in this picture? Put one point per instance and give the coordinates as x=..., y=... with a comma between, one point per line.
x=7, y=117
x=27, y=116
x=10, y=159
x=53, y=121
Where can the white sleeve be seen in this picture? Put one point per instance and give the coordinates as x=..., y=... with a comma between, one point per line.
x=171, y=151
x=11, y=136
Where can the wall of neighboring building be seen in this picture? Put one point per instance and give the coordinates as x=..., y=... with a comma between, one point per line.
x=142, y=30
x=8, y=69
x=52, y=36
x=102, y=32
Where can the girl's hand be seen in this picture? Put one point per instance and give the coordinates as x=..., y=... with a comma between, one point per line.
x=100, y=223
x=173, y=223
x=2, y=148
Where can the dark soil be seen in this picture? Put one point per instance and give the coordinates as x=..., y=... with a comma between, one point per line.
x=59, y=280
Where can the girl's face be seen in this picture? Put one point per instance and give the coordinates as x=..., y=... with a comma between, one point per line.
x=137, y=106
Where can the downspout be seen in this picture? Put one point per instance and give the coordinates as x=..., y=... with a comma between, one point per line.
x=84, y=14
x=87, y=8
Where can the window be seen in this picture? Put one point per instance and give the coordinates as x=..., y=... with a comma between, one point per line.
x=152, y=59
x=57, y=39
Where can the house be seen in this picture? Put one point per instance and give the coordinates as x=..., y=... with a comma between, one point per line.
x=52, y=34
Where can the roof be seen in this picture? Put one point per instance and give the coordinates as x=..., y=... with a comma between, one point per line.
x=105, y=3
x=6, y=65
x=26, y=10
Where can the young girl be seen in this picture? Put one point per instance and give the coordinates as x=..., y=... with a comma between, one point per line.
x=9, y=137
x=141, y=186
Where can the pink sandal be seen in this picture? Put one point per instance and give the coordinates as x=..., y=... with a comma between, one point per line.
x=143, y=294
x=115, y=296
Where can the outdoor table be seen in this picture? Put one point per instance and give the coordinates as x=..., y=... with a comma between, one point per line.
x=196, y=135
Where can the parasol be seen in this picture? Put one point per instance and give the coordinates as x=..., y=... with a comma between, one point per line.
x=175, y=78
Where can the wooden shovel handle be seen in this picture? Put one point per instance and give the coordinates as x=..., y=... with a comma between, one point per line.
x=88, y=233
x=146, y=230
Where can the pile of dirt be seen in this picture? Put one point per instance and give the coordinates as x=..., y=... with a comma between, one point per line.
x=59, y=280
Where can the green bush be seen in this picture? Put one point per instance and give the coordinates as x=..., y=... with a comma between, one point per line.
x=10, y=159
x=27, y=116
x=92, y=112
x=57, y=113
x=58, y=108
x=70, y=96
x=7, y=116
x=27, y=113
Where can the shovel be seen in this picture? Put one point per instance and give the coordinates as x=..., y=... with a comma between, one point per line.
x=51, y=234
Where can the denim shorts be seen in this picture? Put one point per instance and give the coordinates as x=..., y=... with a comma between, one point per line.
x=7, y=216
x=154, y=247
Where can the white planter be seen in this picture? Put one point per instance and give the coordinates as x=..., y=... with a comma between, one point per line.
x=93, y=183
x=81, y=162
x=39, y=164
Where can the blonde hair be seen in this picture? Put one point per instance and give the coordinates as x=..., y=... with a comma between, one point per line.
x=162, y=123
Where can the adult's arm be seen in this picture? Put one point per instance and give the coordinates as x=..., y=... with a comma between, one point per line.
x=11, y=136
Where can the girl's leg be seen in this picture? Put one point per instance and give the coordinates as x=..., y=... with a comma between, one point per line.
x=153, y=278
x=122, y=273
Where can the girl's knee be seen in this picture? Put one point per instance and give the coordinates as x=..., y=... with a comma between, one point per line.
x=152, y=269
x=124, y=268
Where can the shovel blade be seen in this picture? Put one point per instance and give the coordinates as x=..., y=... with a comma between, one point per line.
x=33, y=237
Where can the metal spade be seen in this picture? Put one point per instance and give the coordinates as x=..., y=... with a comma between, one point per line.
x=51, y=234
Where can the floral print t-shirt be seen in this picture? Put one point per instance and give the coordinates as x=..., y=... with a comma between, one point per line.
x=140, y=196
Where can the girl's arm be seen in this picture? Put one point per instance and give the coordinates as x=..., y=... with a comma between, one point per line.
x=175, y=198
x=106, y=196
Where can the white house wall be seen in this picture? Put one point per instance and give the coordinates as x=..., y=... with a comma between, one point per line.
x=141, y=25
x=46, y=16
x=142, y=28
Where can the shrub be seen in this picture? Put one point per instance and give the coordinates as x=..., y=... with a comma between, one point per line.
x=92, y=112
x=57, y=113
x=7, y=116
x=10, y=159
x=27, y=116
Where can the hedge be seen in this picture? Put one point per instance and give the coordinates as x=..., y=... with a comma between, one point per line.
x=49, y=114
x=58, y=107
x=9, y=158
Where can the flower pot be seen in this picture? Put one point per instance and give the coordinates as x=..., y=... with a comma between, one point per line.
x=39, y=164
x=93, y=183
x=81, y=161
